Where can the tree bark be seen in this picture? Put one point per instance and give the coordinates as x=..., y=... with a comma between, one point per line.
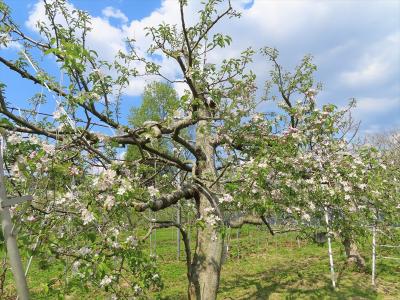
x=206, y=265
x=353, y=255
x=207, y=259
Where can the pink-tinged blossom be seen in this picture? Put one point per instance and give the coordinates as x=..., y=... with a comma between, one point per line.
x=49, y=149
x=33, y=154
x=73, y=170
x=226, y=198
x=31, y=218
x=106, y=179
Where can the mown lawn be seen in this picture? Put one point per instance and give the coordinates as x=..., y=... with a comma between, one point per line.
x=259, y=266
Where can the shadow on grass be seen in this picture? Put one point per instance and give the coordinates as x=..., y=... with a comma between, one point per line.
x=291, y=282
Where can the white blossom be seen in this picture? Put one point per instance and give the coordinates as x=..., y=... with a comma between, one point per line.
x=75, y=267
x=109, y=202
x=132, y=241
x=14, y=139
x=87, y=216
x=121, y=190
x=84, y=251
x=153, y=191
x=57, y=114
x=137, y=289
x=106, y=280
x=362, y=186
x=306, y=217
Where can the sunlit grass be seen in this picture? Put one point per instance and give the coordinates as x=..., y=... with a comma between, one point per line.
x=258, y=266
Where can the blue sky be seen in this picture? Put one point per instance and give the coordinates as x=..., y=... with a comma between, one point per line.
x=356, y=45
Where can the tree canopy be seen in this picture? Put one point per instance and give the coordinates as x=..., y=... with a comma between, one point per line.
x=211, y=148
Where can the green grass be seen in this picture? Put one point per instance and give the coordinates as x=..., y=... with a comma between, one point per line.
x=259, y=266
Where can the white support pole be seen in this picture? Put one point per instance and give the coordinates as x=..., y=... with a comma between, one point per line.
x=373, y=253
x=237, y=241
x=155, y=237
x=10, y=240
x=151, y=249
x=189, y=228
x=330, y=249
x=228, y=242
x=178, y=232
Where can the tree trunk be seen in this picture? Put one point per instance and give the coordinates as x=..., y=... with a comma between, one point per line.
x=207, y=259
x=353, y=255
x=206, y=265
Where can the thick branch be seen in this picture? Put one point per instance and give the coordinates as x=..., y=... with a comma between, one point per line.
x=239, y=221
x=186, y=191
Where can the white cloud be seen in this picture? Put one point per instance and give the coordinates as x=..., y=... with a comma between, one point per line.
x=36, y=14
x=106, y=39
x=283, y=19
x=377, y=105
x=111, y=12
x=375, y=114
x=377, y=63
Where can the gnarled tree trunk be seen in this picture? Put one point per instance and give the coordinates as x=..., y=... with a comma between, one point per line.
x=353, y=255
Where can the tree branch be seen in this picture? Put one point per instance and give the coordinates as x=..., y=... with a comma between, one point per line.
x=187, y=192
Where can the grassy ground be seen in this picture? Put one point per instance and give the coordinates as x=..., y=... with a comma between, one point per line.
x=258, y=267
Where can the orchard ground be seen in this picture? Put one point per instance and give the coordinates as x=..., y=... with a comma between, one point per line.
x=259, y=266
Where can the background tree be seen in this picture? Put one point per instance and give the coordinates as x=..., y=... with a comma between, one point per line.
x=159, y=101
